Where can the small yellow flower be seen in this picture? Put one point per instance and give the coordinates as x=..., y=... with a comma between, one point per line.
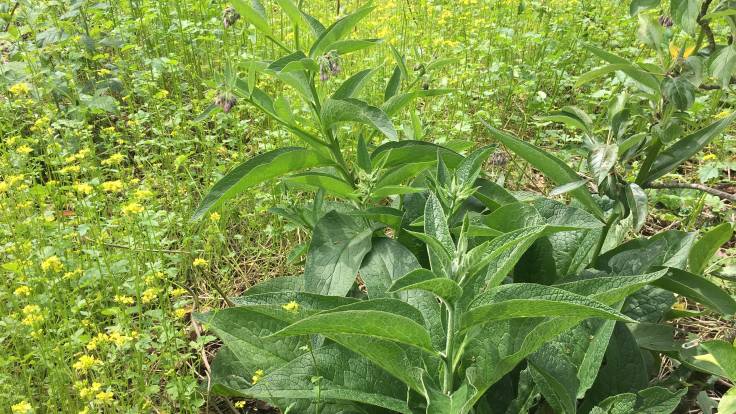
x=104, y=397
x=123, y=300
x=722, y=114
x=20, y=88
x=22, y=291
x=70, y=169
x=675, y=51
x=4, y=186
x=291, y=306
x=181, y=312
x=257, y=376
x=53, y=264
x=239, y=404
x=24, y=149
x=150, y=294
x=112, y=186
x=215, y=217
x=178, y=292
x=143, y=194
x=114, y=159
x=118, y=339
x=86, y=362
x=709, y=157
x=23, y=407
x=83, y=188
x=132, y=208
x=200, y=262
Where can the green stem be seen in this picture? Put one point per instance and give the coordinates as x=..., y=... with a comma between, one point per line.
x=449, y=350
x=652, y=153
x=606, y=229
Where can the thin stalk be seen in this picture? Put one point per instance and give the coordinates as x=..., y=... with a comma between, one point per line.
x=652, y=153
x=449, y=350
x=606, y=229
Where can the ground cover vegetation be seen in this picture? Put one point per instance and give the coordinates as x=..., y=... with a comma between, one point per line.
x=356, y=207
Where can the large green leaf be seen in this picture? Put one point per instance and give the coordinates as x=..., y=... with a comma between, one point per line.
x=548, y=164
x=638, y=6
x=332, y=373
x=379, y=318
x=253, y=12
x=647, y=82
x=685, y=13
x=388, y=261
x=624, y=369
x=685, y=148
x=240, y=329
x=723, y=65
x=654, y=400
x=338, y=246
x=723, y=354
x=699, y=289
x=330, y=183
x=528, y=300
x=338, y=30
x=353, y=85
x=670, y=248
x=257, y=170
x=396, y=154
x=423, y=279
x=354, y=110
x=704, y=249
x=556, y=376
x=394, y=104
x=435, y=224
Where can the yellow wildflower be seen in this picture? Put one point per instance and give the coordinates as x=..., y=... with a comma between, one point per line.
x=722, y=114
x=4, y=186
x=104, y=397
x=23, y=407
x=20, y=88
x=239, y=404
x=114, y=159
x=257, y=376
x=24, y=149
x=132, y=208
x=291, y=306
x=178, y=292
x=101, y=338
x=709, y=157
x=118, y=339
x=88, y=392
x=181, y=312
x=53, y=264
x=215, y=217
x=86, y=362
x=675, y=51
x=22, y=291
x=83, y=188
x=70, y=169
x=143, y=194
x=123, y=300
x=112, y=186
x=200, y=262
x=150, y=294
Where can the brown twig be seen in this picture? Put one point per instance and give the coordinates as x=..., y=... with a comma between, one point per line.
x=693, y=186
x=10, y=18
x=705, y=25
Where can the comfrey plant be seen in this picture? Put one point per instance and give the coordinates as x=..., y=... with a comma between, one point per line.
x=458, y=297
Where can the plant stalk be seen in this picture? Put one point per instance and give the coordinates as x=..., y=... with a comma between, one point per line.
x=449, y=350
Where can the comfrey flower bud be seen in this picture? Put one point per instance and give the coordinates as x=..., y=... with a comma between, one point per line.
x=229, y=16
x=329, y=65
x=226, y=101
x=665, y=21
